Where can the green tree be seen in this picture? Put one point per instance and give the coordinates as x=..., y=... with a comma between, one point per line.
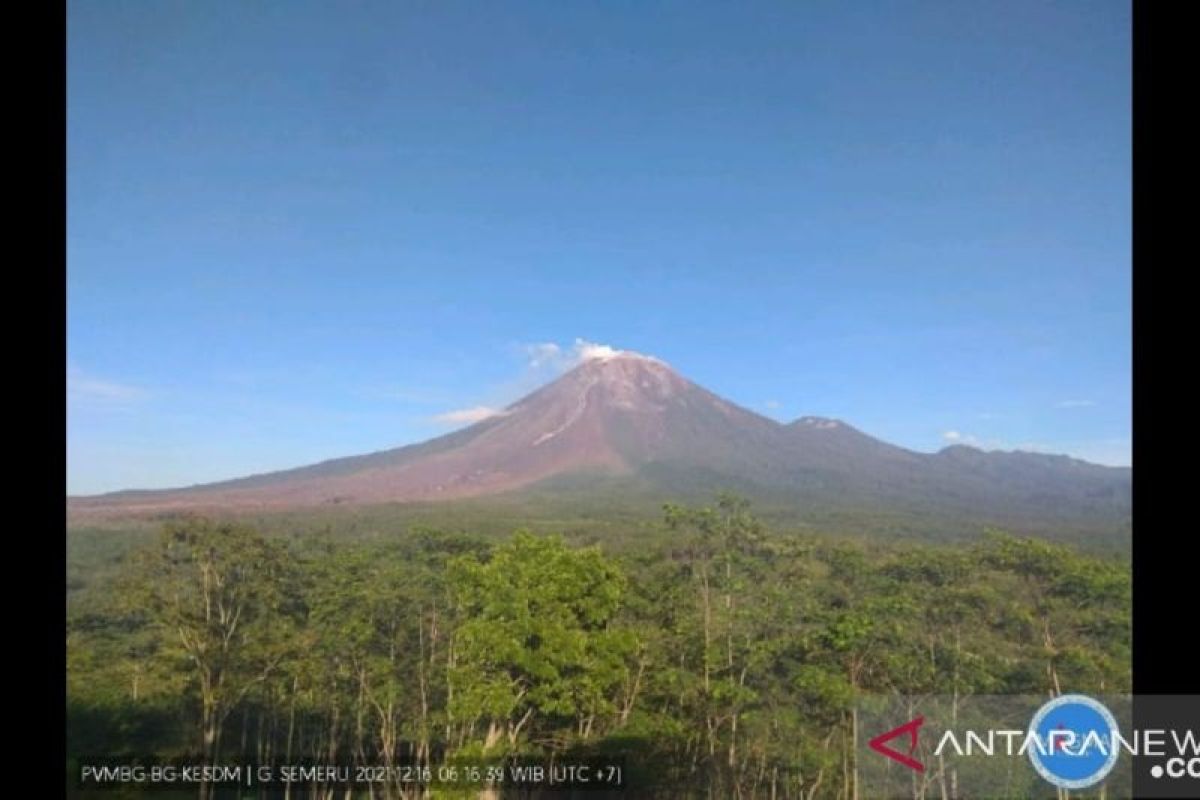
x=219, y=593
x=535, y=639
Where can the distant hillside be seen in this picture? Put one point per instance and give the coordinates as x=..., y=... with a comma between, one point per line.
x=628, y=424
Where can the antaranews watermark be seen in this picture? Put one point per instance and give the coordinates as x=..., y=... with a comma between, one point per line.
x=948, y=746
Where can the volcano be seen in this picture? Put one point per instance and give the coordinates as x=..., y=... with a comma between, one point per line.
x=623, y=419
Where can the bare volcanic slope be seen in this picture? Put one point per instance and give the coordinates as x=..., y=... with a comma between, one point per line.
x=627, y=419
x=611, y=414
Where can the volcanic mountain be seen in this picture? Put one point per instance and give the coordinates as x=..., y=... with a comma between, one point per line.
x=628, y=420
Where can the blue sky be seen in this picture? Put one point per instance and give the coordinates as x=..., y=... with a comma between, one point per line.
x=303, y=230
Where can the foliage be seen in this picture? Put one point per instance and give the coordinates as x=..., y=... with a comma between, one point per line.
x=710, y=651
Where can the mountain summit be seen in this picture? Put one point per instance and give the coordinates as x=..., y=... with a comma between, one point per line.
x=622, y=419
x=613, y=413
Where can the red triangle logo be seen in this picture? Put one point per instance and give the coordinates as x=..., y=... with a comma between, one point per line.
x=910, y=727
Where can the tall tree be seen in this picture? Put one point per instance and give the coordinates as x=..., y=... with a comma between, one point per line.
x=218, y=592
x=535, y=642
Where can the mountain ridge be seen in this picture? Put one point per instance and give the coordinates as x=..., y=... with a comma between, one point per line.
x=628, y=416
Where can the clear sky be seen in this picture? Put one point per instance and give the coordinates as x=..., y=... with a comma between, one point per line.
x=303, y=230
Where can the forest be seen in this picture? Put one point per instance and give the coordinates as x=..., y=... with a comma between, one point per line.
x=713, y=656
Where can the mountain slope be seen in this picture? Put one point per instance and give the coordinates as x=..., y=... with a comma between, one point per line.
x=624, y=419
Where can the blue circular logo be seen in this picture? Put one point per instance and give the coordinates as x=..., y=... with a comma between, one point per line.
x=1072, y=741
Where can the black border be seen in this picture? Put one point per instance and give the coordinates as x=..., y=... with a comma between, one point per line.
x=1164, y=573
x=36, y=551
